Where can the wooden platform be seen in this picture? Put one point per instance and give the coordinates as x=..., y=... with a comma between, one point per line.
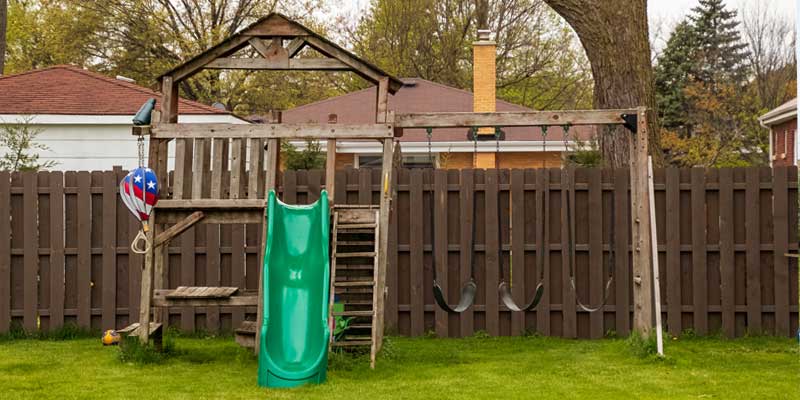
x=203, y=296
x=201, y=292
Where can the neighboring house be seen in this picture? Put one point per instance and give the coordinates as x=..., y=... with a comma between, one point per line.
x=782, y=123
x=521, y=148
x=85, y=118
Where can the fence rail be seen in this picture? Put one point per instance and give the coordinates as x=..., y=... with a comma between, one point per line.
x=723, y=233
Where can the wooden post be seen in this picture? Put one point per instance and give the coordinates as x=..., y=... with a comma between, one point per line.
x=330, y=171
x=385, y=209
x=273, y=169
x=154, y=270
x=640, y=230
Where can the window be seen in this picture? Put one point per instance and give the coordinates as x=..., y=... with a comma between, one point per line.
x=409, y=161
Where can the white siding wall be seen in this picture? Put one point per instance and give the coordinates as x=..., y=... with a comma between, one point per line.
x=96, y=142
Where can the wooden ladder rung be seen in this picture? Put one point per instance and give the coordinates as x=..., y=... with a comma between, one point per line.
x=353, y=267
x=360, y=326
x=353, y=283
x=356, y=302
x=356, y=337
x=361, y=254
x=365, y=313
x=355, y=243
x=347, y=227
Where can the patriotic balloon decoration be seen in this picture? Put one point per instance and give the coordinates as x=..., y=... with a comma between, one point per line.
x=139, y=192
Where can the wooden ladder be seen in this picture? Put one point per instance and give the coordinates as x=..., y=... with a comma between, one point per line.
x=354, y=263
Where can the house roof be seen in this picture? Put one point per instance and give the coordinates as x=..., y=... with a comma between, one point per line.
x=417, y=96
x=69, y=90
x=782, y=113
x=278, y=25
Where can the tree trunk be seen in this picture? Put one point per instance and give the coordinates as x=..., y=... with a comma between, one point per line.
x=615, y=35
x=3, y=26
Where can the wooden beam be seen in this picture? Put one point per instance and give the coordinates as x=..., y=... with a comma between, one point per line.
x=640, y=231
x=197, y=63
x=261, y=47
x=221, y=204
x=295, y=46
x=506, y=119
x=383, y=238
x=178, y=228
x=272, y=131
x=246, y=216
x=361, y=68
x=160, y=301
x=280, y=64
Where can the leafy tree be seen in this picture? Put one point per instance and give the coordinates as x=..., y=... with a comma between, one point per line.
x=19, y=141
x=312, y=157
x=537, y=62
x=3, y=29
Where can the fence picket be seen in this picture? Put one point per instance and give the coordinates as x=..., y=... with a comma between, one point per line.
x=699, y=259
x=753, y=241
x=5, y=251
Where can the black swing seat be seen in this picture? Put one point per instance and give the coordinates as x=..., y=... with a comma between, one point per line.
x=586, y=308
x=508, y=299
x=467, y=297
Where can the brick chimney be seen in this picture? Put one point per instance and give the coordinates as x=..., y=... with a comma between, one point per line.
x=484, y=51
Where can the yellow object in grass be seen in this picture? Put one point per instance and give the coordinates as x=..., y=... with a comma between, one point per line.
x=110, y=337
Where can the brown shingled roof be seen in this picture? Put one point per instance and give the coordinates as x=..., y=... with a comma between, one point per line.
x=69, y=90
x=416, y=96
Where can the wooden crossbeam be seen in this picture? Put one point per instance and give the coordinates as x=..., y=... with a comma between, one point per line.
x=278, y=64
x=272, y=131
x=178, y=228
x=295, y=46
x=507, y=119
x=211, y=204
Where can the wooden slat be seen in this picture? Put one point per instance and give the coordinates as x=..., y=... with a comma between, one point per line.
x=699, y=259
x=439, y=201
x=753, y=239
x=417, y=260
x=518, y=266
x=183, y=167
x=56, y=249
x=596, y=276
x=570, y=323
x=5, y=251
x=492, y=270
x=175, y=230
x=201, y=154
x=543, y=248
x=467, y=204
x=31, y=259
x=255, y=168
x=84, y=234
x=726, y=257
x=673, y=264
x=199, y=292
x=622, y=278
x=240, y=301
x=508, y=119
x=273, y=131
x=780, y=223
x=109, y=274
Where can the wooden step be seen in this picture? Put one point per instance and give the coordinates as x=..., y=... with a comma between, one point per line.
x=201, y=292
x=354, y=267
x=352, y=343
x=356, y=302
x=360, y=326
x=356, y=337
x=348, y=227
x=355, y=243
x=353, y=283
x=366, y=313
x=246, y=334
x=360, y=254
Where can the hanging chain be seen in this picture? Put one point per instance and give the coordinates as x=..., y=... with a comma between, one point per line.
x=544, y=146
x=140, y=145
x=566, y=141
x=430, y=153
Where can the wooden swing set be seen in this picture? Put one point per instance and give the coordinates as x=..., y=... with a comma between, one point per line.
x=203, y=191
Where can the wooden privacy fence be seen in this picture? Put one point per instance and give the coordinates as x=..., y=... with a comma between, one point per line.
x=65, y=256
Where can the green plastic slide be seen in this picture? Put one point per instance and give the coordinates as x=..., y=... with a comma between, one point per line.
x=293, y=348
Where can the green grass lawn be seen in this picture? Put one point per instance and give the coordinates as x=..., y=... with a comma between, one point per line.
x=513, y=368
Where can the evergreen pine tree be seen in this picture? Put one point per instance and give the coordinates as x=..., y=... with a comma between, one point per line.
x=721, y=53
x=672, y=74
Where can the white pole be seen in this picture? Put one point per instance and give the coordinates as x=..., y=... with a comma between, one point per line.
x=654, y=241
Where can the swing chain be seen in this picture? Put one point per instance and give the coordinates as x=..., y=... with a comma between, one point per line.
x=429, y=131
x=544, y=146
x=140, y=147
